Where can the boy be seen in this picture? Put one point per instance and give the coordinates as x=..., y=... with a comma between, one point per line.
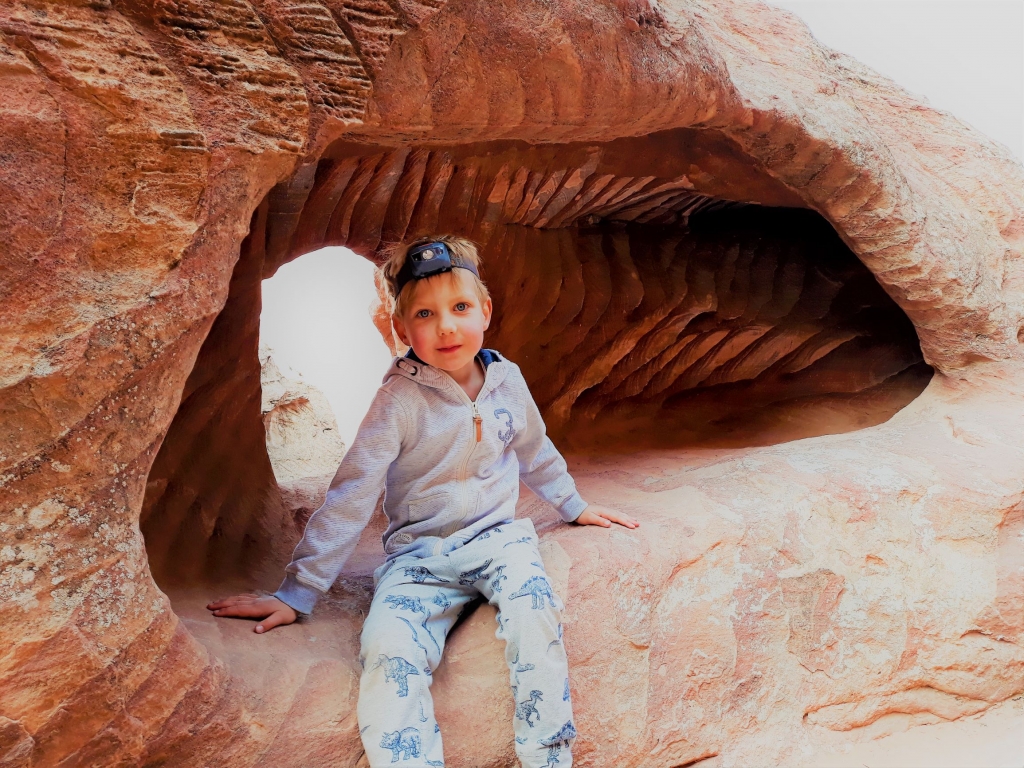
x=448, y=436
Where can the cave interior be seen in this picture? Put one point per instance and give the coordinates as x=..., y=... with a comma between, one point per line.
x=660, y=292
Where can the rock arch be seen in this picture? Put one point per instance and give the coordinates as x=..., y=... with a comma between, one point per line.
x=151, y=145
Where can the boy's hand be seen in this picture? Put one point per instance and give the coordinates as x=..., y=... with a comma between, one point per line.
x=595, y=514
x=252, y=606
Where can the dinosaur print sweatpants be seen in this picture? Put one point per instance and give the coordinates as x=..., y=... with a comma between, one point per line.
x=415, y=604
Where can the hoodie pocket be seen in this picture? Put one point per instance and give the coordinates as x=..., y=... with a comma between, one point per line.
x=428, y=507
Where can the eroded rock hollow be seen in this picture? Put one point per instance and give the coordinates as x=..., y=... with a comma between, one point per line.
x=767, y=302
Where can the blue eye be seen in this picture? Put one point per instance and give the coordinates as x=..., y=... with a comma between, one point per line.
x=461, y=306
x=423, y=313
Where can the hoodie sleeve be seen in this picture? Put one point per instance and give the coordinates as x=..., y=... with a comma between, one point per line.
x=333, y=530
x=542, y=467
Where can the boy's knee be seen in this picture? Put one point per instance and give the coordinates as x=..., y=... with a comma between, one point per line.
x=384, y=639
x=524, y=619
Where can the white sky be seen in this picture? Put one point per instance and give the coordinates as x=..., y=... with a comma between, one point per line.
x=316, y=320
x=964, y=56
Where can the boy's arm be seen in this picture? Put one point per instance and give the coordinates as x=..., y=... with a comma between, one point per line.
x=334, y=529
x=542, y=467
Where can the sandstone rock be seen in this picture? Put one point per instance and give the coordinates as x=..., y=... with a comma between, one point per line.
x=707, y=235
x=303, y=443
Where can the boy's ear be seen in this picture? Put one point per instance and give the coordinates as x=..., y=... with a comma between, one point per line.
x=487, y=308
x=399, y=326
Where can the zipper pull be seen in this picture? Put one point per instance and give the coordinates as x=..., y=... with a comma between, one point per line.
x=478, y=421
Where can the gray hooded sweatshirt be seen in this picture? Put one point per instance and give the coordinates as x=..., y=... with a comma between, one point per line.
x=449, y=468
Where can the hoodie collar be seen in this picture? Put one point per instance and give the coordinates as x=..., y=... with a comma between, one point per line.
x=486, y=356
x=411, y=367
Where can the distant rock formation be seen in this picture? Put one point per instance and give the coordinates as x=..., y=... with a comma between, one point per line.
x=303, y=443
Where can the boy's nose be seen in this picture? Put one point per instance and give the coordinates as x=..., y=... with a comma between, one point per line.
x=446, y=324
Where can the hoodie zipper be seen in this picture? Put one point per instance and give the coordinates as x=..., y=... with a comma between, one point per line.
x=461, y=475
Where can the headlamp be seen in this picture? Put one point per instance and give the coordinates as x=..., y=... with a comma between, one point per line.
x=427, y=260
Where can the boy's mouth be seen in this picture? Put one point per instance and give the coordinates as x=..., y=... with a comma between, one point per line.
x=449, y=349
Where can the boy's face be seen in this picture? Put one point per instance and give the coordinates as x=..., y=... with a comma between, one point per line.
x=445, y=320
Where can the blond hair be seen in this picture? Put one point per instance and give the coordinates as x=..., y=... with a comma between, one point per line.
x=394, y=260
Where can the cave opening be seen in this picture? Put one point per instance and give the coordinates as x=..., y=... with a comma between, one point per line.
x=660, y=291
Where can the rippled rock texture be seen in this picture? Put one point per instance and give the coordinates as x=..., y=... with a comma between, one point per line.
x=707, y=236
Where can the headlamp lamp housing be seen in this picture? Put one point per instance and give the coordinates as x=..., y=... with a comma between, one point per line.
x=428, y=259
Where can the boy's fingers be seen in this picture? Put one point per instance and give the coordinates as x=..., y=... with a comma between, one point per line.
x=274, y=620
x=233, y=600
x=622, y=519
x=248, y=610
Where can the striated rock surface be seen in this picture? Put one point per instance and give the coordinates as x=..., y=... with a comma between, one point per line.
x=303, y=443
x=707, y=235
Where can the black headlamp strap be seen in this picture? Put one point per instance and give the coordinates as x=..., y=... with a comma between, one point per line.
x=443, y=261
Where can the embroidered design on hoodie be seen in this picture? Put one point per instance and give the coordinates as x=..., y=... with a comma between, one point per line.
x=505, y=435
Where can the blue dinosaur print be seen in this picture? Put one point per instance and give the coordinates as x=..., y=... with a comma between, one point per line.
x=553, y=751
x=565, y=734
x=523, y=540
x=535, y=564
x=497, y=577
x=505, y=435
x=469, y=578
x=555, y=743
x=416, y=639
x=423, y=717
x=442, y=601
x=419, y=574
x=414, y=604
x=397, y=670
x=437, y=728
x=435, y=764
x=520, y=740
x=553, y=643
x=565, y=694
x=517, y=668
x=404, y=744
x=537, y=588
x=488, y=534
x=528, y=708
x=521, y=667
x=406, y=603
